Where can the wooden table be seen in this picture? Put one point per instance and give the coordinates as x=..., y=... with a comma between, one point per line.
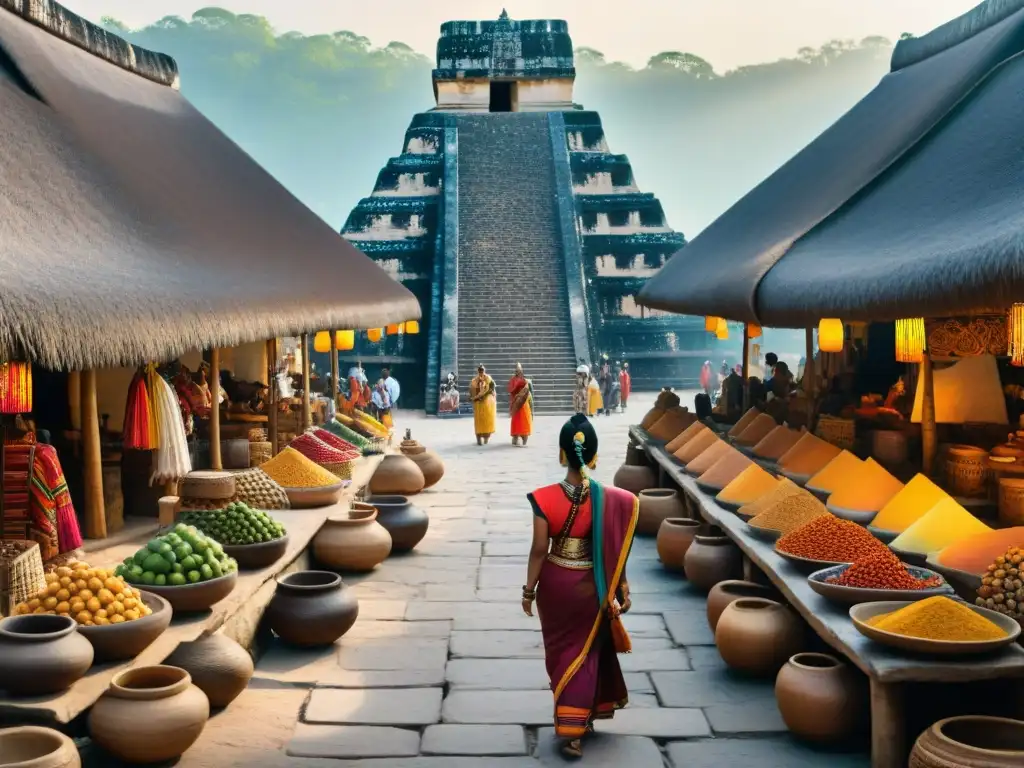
x=886, y=668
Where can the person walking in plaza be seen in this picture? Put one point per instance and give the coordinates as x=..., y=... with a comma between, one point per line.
x=381, y=402
x=582, y=534
x=485, y=405
x=614, y=399
x=520, y=406
x=604, y=381
x=595, y=403
x=625, y=385
x=579, y=393
x=392, y=386
x=705, y=378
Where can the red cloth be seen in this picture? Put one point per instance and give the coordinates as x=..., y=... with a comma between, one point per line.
x=137, y=417
x=520, y=407
x=625, y=384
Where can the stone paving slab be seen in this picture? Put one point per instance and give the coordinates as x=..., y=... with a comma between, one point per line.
x=645, y=626
x=392, y=629
x=353, y=741
x=689, y=628
x=521, y=707
x=763, y=753
x=702, y=688
x=497, y=645
x=500, y=595
x=509, y=618
x=705, y=657
x=499, y=674
x=461, y=611
x=393, y=653
x=498, y=576
x=654, y=660
x=507, y=548
x=482, y=740
x=602, y=751
x=371, y=587
x=382, y=609
x=638, y=682
x=448, y=593
x=659, y=723
x=745, y=717
x=374, y=706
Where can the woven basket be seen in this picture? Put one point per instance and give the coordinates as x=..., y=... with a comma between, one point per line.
x=259, y=452
x=840, y=432
x=342, y=469
x=257, y=435
x=21, y=573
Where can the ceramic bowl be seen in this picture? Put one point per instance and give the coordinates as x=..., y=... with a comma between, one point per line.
x=819, y=493
x=117, y=642
x=710, y=490
x=797, y=477
x=965, y=583
x=307, y=498
x=860, y=614
x=191, y=598
x=910, y=558
x=764, y=534
x=886, y=537
x=255, y=556
x=837, y=593
x=806, y=564
x=730, y=506
x=853, y=515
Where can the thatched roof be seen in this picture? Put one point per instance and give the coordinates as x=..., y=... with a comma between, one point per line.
x=132, y=229
x=911, y=204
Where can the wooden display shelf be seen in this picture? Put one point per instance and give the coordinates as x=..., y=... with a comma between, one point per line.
x=253, y=587
x=886, y=668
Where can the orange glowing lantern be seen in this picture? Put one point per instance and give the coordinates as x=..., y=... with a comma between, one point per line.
x=830, y=335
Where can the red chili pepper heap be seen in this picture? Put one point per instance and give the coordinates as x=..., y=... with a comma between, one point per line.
x=882, y=570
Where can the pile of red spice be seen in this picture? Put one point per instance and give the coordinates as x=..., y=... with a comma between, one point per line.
x=336, y=442
x=830, y=539
x=319, y=451
x=882, y=570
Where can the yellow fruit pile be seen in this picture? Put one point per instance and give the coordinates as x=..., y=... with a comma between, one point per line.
x=93, y=597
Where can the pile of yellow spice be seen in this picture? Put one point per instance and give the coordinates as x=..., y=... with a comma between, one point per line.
x=938, y=618
x=290, y=469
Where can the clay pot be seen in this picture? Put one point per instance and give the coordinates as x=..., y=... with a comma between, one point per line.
x=354, y=542
x=724, y=593
x=397, y=474
x=821, y=699
x=970, y=742
x=711, y=559
x=33, y=747
x=636, y=456
x=675, y=537
x=657, y=505
x=430, y=463
x=149, y=714
x=311, y=608
x=406, y=523
x=219, y=667
x=634, y=478
x=757, y=636
x=41, y=654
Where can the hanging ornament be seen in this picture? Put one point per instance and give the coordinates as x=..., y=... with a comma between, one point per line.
x=711, y=323
x=721, y=329
x=344, y=340
x=754, y=331
x=322, y=342
x=830, y=335
x=1015, y=323
x=15, y=387
x=910, y=340
x=374, y=334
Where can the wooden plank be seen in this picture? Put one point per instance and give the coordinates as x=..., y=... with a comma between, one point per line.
x=888, y=734
x=302, y=525
x=92, y=459
x=829, y=620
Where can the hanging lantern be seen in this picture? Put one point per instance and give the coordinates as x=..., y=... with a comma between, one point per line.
x=344, y=340
x=754, y=331
x=392, y=329
x=711, y=323
x=374, y=334
x=322, y=342
x=910, y=340
x=830, y=335
x=412, y=327
x=1015, y=337
x=721, y=329
x=15, y=387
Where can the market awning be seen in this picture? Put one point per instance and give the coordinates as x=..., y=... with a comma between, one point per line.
x=131, y=228
x=907, y=206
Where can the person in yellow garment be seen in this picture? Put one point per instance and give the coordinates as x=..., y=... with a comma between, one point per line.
x=595, y=403
x=485, y=405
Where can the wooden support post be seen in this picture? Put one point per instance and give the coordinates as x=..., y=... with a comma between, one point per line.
x=307, y=416
x=888, y=740
x=334, y=368
x=92, y=460
x=929, y=439
x=75, y=399
x=272, y=406
x=810, y=375
x=746, y=367
x=215, y=461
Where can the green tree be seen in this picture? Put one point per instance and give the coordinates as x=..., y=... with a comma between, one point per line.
x=687, y=63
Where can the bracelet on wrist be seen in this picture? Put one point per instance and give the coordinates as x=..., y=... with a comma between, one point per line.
x=529, y=594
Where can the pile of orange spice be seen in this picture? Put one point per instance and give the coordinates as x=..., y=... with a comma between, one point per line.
x=830, y=539
x=882, y=570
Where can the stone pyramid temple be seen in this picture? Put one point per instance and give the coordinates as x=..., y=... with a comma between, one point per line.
x=524, y=238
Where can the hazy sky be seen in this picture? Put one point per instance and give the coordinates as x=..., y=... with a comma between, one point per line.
x=728, y=33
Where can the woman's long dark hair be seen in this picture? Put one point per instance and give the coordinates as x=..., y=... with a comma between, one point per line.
x=577, y=443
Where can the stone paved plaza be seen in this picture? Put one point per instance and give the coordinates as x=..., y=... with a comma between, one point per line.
x=444, y=669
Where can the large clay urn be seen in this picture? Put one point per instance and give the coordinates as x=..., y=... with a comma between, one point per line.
x=635, y=478
x=311, y=608
x=657, y=505
x=149, y=715
x=820, y=698
x=397, y=474
x=725, y=593
x=757, y=636
x=711, y=559
x=219, y=667
x=354, y=542
x=41, y=654
x=31, y=746
x=430, y=463
x=406, y=523
x=675, y=536
x=970, y=742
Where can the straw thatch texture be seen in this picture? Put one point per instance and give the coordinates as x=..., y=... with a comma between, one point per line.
x=132, y=229
x=744, y=265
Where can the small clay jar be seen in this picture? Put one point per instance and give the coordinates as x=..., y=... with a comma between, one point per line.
x=430, y=463
x=657, y=505
x=821, y=699
x=311, y=608
x=675, y=536
x=149, y=714
x=41, y=654
x=634, y=478
x=397, y=474
x=970, y=742
x=406, y=523
x=757, y=636
x=726, y=592
x=30, y=746
x=636, y=456
x=711, y=559
x=355, y=542
x=219, y=667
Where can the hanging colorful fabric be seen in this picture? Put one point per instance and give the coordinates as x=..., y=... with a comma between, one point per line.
x=152, y=377
x=136, y=430
x=15, y=387
x=172, y=461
